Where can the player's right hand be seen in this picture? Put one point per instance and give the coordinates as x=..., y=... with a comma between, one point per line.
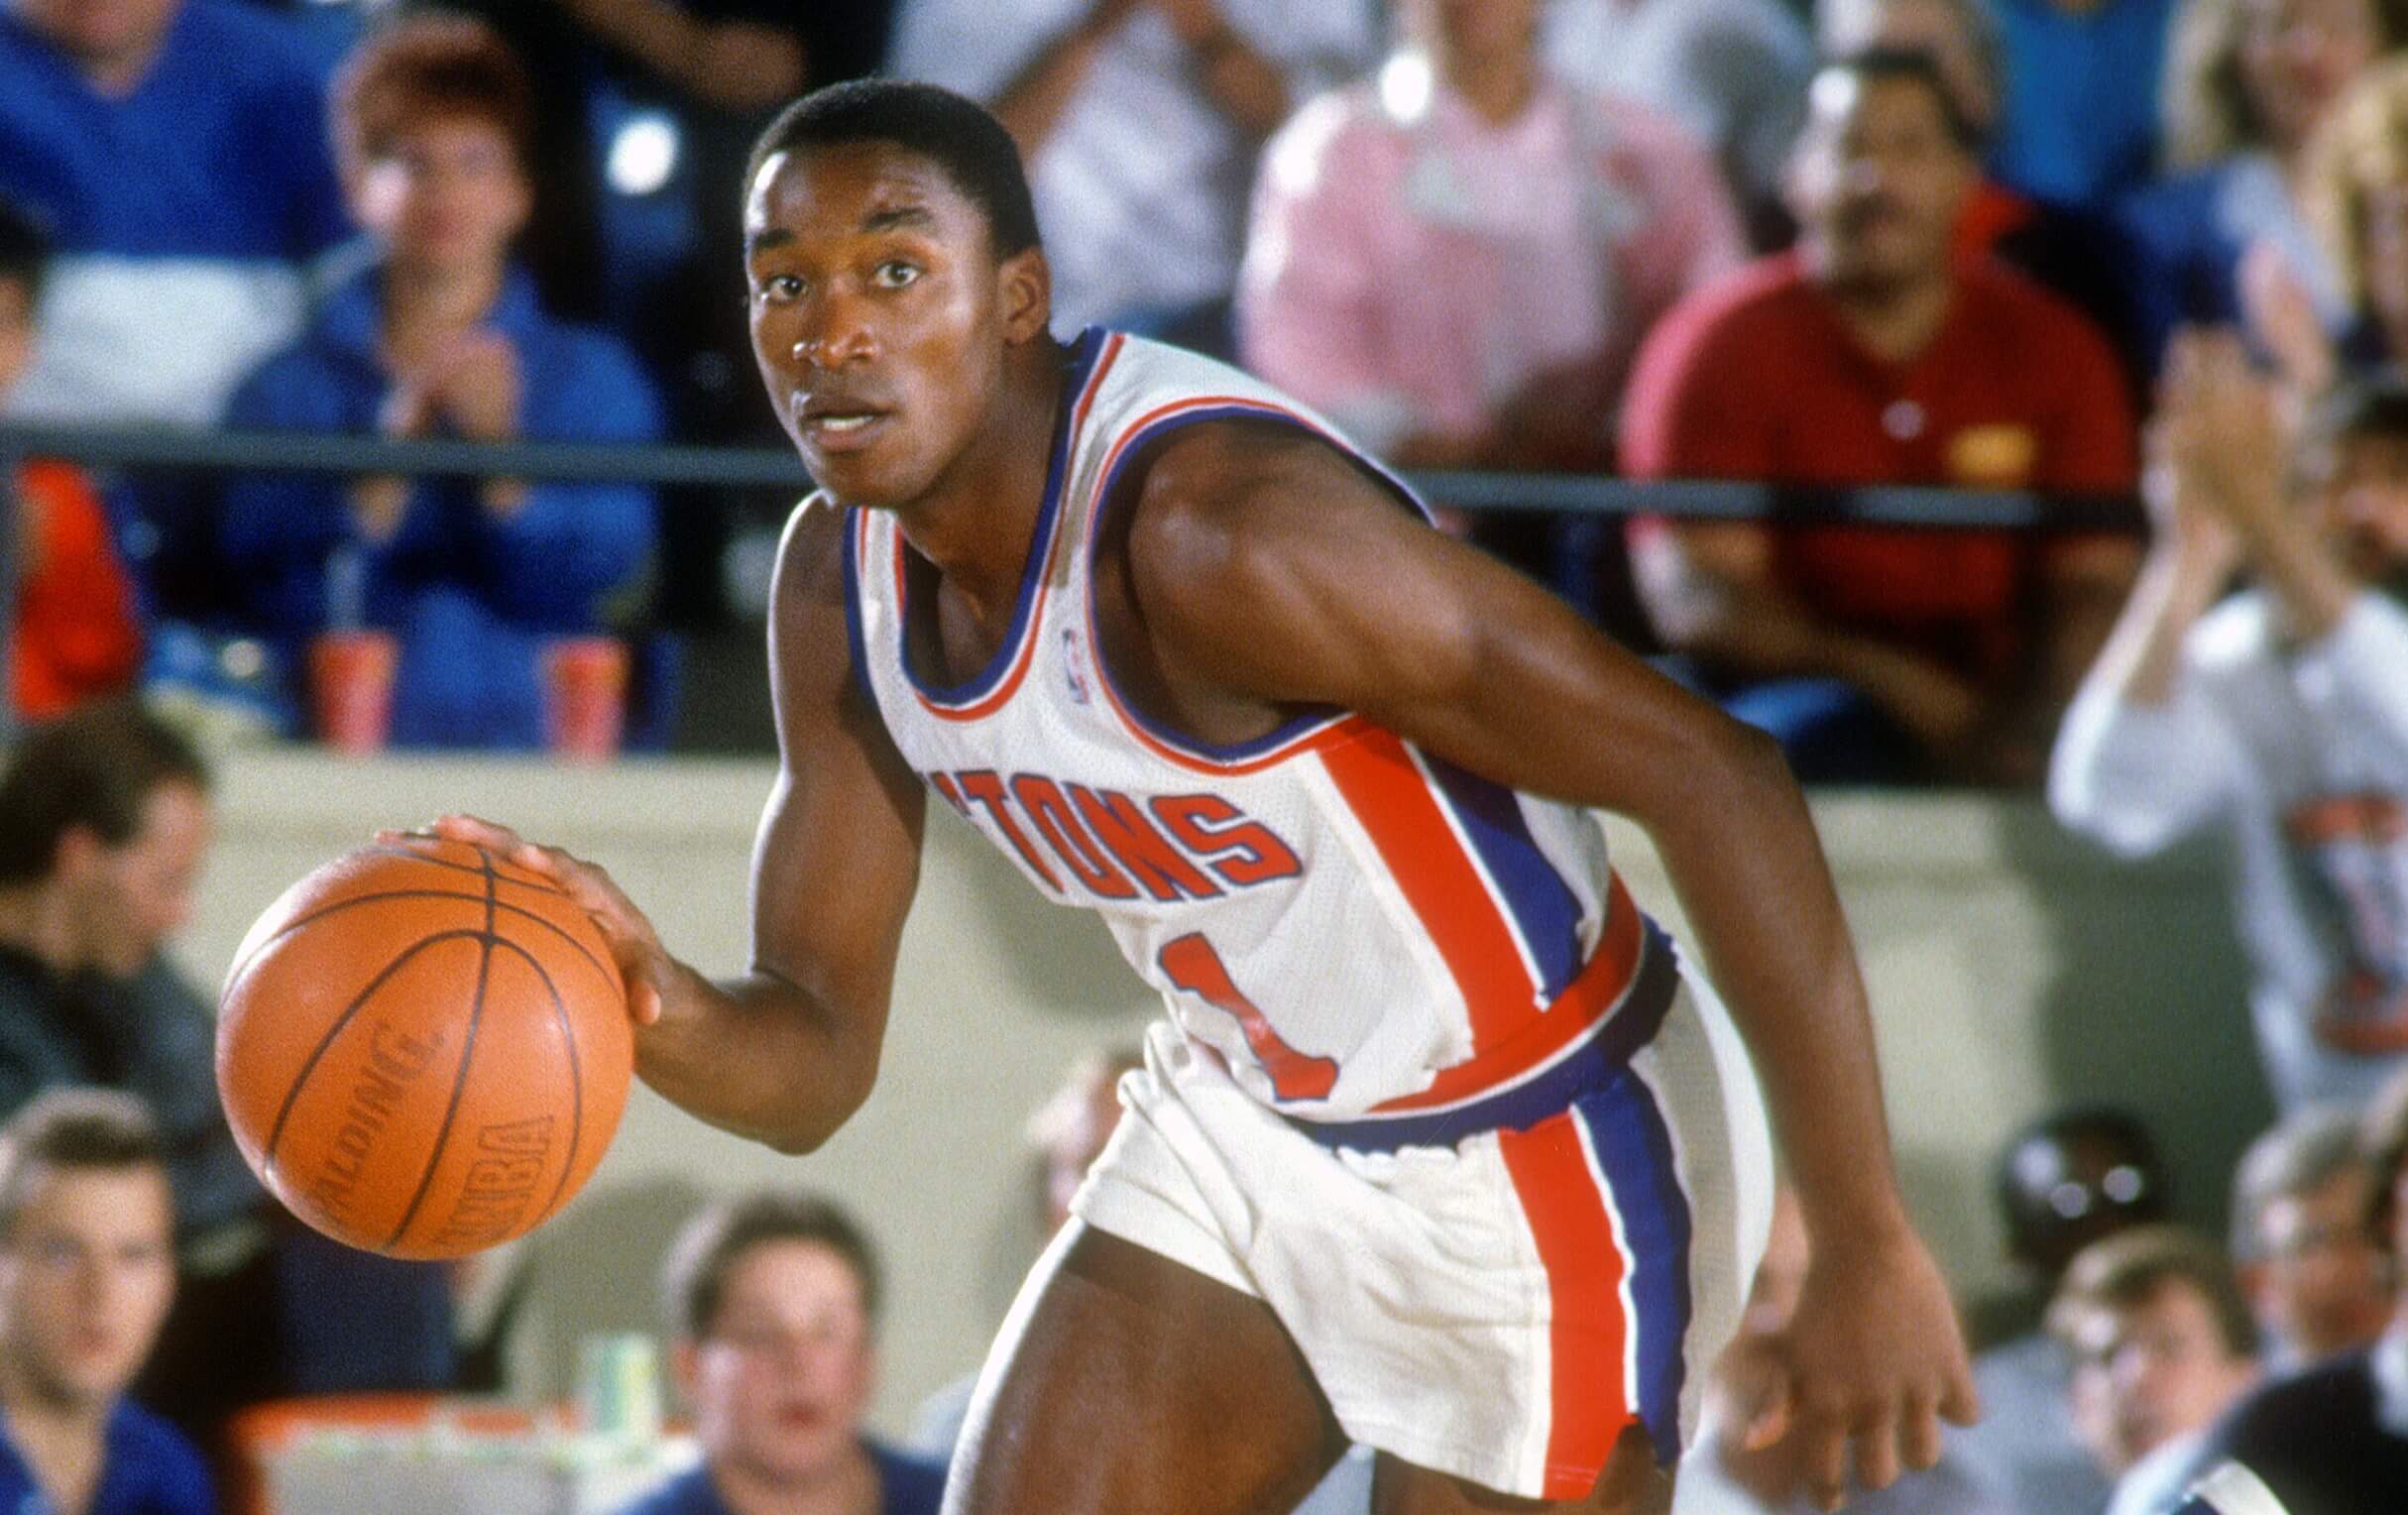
x=644, y=966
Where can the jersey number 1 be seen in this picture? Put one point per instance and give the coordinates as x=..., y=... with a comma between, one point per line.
x=1194, y=966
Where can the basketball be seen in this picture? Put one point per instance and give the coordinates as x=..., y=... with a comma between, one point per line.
x=423, y=1053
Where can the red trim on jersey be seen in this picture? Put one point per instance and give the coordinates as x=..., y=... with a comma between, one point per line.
x=1587, y=1332
x=1406, y=821
x=1340, y=727
x=1612, y=968
x=1027, y=656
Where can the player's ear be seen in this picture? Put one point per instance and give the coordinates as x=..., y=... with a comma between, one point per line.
x=1024, y=294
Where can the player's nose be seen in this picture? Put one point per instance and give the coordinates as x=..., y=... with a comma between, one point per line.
x=840, y=331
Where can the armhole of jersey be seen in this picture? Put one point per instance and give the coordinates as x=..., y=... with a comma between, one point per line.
x=1112, y=496
x=855, y=641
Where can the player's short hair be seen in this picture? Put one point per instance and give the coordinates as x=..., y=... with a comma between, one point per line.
x=95, y=766
x=431, y=67
x=709, y=1245
x=72, y=1130
x=1869, y=65
x=25, y=249
x=953, y=132
x=2302, y=1152
x=2129, y=1269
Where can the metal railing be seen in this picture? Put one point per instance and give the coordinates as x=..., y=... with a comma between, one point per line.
x=152, y=448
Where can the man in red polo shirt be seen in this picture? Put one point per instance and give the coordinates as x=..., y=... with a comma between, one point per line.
x=1872, y=355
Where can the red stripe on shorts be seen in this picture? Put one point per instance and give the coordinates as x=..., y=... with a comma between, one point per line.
x=1587, y=1333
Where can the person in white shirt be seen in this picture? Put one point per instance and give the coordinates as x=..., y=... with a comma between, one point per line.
x=2278, y=717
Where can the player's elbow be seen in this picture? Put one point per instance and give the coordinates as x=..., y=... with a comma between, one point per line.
x=799, y=1127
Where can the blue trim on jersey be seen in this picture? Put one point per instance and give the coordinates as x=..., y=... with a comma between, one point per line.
x=1634, y=1150
x=1040, y=547
x=1589, y=1065
x=1545, y=911
x=855, y=637
x=1108, y=496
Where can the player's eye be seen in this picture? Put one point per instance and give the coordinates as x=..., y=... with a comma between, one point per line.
x=895, y=274
x=778, y=288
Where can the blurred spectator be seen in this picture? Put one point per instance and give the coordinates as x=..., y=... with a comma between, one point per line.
x=1872, y=355
x=1140, y=120
x=2227, y=236
x=1732, y=72
x=773, y=1302
x=444, y=336
x=2279, y=718
x=73, y=633
x=1402, y=276
x=2333, y=1440
x=2067, y=250
x=177, y=149
x=2162, y=1342
x=2064, y=1182
x=2356, y=194
x=86, y=1272
x=2080, y=124
x=104, y=827
x=2315, y=1275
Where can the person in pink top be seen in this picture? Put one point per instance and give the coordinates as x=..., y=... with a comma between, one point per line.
x=1456, y=259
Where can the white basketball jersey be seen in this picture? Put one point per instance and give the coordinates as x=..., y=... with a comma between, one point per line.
x=1357, y=927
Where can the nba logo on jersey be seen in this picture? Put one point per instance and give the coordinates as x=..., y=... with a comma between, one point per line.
x=2230, y=1489
x=1072, y=678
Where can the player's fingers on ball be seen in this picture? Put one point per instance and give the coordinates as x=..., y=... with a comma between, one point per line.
x=1959, y=1404
x=475, y=830
x=1876, y=1452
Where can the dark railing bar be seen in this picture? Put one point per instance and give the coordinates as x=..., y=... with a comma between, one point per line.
x=775, y=468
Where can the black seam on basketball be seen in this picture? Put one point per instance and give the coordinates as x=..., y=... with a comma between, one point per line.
x=322, y=911
x=533, y=880
x=468, y=1050
x=293, y=1091
x=568, y=1035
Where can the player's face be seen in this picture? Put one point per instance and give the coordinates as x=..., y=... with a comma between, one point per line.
x=131, y=898
x=781, y=1384
x=446, y=194
x=2297, y=56
x=1878, y=181
x=879, y=314
x=2148, y=1373
x=16, y=333
x=2322, y=1283
x=85, y=1279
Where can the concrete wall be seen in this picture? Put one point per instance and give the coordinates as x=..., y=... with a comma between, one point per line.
x=2012, y=971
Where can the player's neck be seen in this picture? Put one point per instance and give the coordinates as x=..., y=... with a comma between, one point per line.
x=36, y=919
x=976, y=522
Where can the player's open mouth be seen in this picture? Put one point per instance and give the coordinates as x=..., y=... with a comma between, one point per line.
x=836, y=424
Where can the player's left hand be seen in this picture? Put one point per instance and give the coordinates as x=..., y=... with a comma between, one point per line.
x=1864, y=1371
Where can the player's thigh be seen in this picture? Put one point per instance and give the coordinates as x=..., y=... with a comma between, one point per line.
x=1630, y=1485
x=1130, y=1384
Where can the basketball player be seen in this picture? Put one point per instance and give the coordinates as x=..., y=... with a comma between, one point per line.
x=1439, y=1148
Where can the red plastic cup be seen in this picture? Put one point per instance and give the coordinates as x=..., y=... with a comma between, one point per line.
x=584, y=696
x=351, y=688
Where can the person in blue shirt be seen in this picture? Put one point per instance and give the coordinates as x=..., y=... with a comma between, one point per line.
x=88, y=1268
x=774, y=1298
x=441, y=335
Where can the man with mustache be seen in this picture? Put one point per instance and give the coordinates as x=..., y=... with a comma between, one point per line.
x=1873, y=354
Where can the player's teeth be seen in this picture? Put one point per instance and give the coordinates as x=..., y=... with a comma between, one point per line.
x=842, y=422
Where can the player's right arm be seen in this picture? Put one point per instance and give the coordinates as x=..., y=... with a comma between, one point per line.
x=786, y=1051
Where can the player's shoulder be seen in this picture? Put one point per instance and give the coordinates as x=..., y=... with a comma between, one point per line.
x=810, y=549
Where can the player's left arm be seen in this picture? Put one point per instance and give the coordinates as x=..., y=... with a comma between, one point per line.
x=1268, y=567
